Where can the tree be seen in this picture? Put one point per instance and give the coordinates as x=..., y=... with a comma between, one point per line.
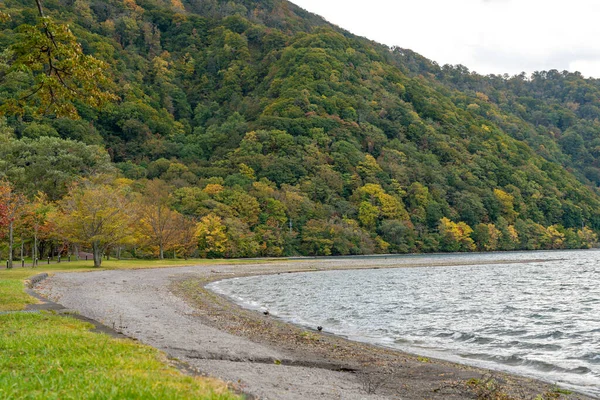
x=36, y=221
x=4, y=193
x=11, y=209
x=588, y=237
x=486, y=237
x=506, y=205
x=212, y=237
x=455, y=236
x=187, y=242
x=158, y=222
x=509, y=237
x=399, y=234
x=97, y=215
x=61, y=74
x=49, y=164
x=317, y=238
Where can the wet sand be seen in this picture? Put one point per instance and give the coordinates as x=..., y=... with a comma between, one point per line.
x=262, y=356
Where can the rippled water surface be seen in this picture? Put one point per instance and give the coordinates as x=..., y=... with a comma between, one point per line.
x=533, y=318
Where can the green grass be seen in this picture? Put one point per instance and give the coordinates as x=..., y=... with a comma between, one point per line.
x=44, y=356
x=12, y=296
x=50, y=357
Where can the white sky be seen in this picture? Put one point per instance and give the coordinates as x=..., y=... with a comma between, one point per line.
x=487, y=36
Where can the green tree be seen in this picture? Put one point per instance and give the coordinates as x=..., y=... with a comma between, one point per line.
x=50, y=164
x=486, y=237
x=399, y=234
x=60, y=74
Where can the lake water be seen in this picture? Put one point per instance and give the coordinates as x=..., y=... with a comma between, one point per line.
x=534, y=318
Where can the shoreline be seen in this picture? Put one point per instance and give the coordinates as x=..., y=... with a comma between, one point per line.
x=269, y=358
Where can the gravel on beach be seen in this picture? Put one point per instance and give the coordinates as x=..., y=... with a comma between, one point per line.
x=257, y=354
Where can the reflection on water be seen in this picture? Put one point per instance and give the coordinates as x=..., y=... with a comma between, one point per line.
x=540, y=319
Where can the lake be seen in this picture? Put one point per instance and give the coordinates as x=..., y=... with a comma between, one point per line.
x=504, y=311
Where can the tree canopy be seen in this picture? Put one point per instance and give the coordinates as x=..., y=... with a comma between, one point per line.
x=265, y=131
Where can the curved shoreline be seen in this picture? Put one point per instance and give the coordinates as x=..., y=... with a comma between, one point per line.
x=260, y=354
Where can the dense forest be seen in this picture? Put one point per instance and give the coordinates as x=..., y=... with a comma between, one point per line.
x=254, y=128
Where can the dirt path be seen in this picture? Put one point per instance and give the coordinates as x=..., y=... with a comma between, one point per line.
x=265, y=358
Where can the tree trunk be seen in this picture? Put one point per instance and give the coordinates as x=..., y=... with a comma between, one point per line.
x=161, y=254
x=40, y=9
x=41, y=249
x=10, y=244
x=34, y=253
x=119, y=253
x=97, y=254
x=22, y=250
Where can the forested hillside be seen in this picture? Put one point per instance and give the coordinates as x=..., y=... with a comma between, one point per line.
x=279, y=134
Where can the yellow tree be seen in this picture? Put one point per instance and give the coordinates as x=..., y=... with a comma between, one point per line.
x=34, y=222
x=587, y=237
x=96, y=215
x=376, y=204
x=455, y=236
x=212, y=236
x=187, y=242
x=556, y=238
x=506, y=205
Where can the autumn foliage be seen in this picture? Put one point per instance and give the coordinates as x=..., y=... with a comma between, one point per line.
x=248, y=129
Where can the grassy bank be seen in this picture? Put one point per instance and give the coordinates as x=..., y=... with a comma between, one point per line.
x=52, y=357
x=45, y=356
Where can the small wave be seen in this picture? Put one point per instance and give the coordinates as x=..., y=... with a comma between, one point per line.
x=513, y=360
x=472, y=338
x=579, y=370
x=517, y=361
x=547, y=335
x=537, y=346
x=482, y=340
x=592, y=358
x=414, y=342
x=538, y=316
x=509, y=309
x=512, y=332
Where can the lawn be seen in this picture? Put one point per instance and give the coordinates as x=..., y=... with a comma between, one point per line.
x=51, y=357
x=45, y=356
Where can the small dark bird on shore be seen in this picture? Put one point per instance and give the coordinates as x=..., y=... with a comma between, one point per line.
x=319, y=328
x=266, y=312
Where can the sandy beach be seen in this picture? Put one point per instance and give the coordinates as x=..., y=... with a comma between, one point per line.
x=258, y=354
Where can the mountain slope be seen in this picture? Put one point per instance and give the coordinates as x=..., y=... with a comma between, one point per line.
x=302, y=138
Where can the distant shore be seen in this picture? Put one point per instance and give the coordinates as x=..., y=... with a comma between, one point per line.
x=260, y=354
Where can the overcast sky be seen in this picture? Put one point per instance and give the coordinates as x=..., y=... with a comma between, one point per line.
x=487, y=36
